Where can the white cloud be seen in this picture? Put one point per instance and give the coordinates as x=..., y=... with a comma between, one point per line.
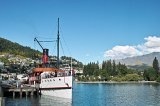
x=152, y=44
x=119, y=52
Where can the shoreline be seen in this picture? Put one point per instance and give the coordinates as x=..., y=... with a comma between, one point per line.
x=114, y=82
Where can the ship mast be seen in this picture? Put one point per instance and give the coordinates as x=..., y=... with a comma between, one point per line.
x=58, y=46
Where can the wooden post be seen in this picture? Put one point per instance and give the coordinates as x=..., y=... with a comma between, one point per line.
x=26, y=94
x=37, y=90
x=20, y=92
x=32, y=92
x=13, y=94
x=1, y=101
x=40, y=91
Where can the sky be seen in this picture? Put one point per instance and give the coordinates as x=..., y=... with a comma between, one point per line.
x=90, y=30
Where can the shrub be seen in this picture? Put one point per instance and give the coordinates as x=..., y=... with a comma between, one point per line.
x=118, y=79
x=132, y=77
x=158, y=79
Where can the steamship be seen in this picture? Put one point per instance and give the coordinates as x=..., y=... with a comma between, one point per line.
x=52, y=81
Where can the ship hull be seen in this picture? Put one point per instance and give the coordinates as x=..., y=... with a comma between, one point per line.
x=61, y=93
x=57, y=87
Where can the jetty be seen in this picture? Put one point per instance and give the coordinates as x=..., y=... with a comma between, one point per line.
x=20, y=91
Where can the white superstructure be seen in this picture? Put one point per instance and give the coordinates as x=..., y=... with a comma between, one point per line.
x=52, y=84
x=57, y=86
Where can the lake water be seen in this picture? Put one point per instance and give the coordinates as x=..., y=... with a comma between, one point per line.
x=99, y=94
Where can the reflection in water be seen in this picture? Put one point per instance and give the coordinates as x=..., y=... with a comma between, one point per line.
x=2, y=101
x=38, y=101
x=98, y=94
x=50, y=101
x=33, y=101
x=117, y=94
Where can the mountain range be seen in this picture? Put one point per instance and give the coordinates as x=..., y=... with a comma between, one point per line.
x=146, y=60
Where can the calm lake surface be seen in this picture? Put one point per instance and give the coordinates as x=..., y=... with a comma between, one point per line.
x=99, y=94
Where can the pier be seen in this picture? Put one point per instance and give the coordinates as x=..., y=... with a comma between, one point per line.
x=20, y=91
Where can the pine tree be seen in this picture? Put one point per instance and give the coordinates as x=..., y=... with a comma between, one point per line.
x=156, y=65
x=109, y=67
x=114, y=68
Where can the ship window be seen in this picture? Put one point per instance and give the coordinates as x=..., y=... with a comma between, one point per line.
x=59, y=79
x=45, y=80
x=50, y=80
x=53, y=80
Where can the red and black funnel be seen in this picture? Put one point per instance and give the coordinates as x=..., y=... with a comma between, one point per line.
x=45, y=56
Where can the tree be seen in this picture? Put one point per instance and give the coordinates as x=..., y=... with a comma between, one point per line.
x=150, y=74
x=109, y=67
x=91, y=69
x=122, y=69
x=156, y=65
x=114, y=72
x=104, y=75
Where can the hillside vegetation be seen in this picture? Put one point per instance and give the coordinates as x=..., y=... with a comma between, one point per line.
x=110, y=71
x=18, y=52
x=7, y=46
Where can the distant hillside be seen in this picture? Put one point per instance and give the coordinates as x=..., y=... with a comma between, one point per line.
x=7, y=46
x=67, y=60
x=139, y=67
x=140, y=60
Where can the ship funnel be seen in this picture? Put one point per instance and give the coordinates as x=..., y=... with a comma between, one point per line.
x=45, y=56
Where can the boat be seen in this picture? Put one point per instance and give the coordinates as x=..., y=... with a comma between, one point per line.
x=52, y=81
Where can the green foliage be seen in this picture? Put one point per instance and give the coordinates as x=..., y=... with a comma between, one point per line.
x=132, y=77
x=150, y=74
x=117, y=79
x=90, y=69
x=4, y=60
x=114, y=72
x=127, y=77
x=110, y=71
x=96, y=72
x=84, y=79
x=158, y=79
x=104, y=75
x=110, y=67
x=120, y=72
x=7, y=46
x=156, y=65
x=122, y=69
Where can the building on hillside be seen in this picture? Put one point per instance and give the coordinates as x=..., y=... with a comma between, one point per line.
x=78, y=71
